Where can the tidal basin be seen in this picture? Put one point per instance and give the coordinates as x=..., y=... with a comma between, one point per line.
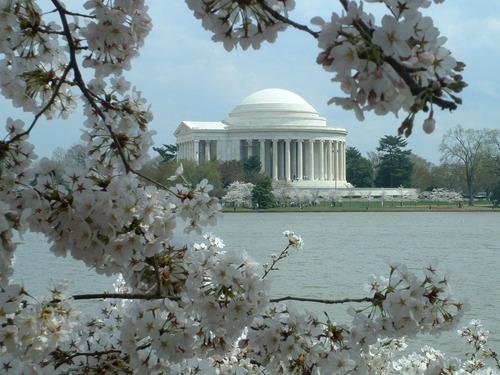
x=340, y=251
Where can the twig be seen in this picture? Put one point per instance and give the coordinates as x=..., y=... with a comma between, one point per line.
x=157, y=274
x=45, y=107
x=284, y=19
x=86, y=354
x=147, y=297
x=324, y=301
x=275, y=261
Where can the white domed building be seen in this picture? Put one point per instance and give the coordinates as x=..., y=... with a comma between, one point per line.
x=291, y=140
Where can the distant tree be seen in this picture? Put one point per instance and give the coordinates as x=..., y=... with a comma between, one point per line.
x=73, y=157
x=231, y=171
x=167, y=152
x=160, y=170
x=262, y=193
x=239, y=194
x=395, y=167
x=252, y=166
x=495, y=195
x=493, y=154
x=447, y=176
x=421, y=177
x=359, y=170
x=194, y=173
x=466, y=147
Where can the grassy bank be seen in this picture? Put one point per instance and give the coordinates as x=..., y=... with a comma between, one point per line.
x=375, y=207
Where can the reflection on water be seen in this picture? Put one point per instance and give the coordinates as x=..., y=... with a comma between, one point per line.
x=340, y=251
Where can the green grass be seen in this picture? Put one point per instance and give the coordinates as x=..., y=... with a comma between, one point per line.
x=359, y=206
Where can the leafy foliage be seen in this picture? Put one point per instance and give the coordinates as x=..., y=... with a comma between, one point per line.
x=167, y=152
x=495, y=195
x=262, y=193
x=359, y=170
x=252, y=166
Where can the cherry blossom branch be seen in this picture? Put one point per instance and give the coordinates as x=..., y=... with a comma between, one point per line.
x=157, y=274
x=88, y=95
x=275, y=259
x=142, y=296
x=149, y=297
x=323, y=301
x=401, y=70
x=62, y=79
x=70, y=357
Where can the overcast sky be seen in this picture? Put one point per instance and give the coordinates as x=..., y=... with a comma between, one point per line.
x=185, y=76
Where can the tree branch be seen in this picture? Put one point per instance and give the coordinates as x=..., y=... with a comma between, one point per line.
x=70, y=357
x=45, y=107
x=323, y=301
x=88, y=95
x=401, y=70
x=147, y=297
x=286, y=20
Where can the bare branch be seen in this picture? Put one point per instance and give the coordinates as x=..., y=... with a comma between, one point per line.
x=45, y=107
x=147, y=297
x=286, y=20
x=323, y=301
x=157, y=274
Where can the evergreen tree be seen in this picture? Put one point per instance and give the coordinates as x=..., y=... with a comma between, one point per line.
x=495, y=195
x=167, y=152
x=395, y=168
x=262, y=193
x=252, y=166
x=359, y=169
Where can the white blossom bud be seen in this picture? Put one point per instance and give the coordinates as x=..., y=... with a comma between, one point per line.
x=426, y=58
x=429, y=125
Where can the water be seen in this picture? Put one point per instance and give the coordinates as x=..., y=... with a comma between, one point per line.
x=340, y=251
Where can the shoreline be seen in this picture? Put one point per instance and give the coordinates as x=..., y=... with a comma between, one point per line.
x=375, y=209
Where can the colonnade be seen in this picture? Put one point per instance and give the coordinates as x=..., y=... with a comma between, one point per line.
x=281, y=159
x=198, y=151
x=299, y=159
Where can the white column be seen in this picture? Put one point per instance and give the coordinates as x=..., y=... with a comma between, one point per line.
x=275, y=158
x=287, y=159
x=321, y=160
x=249, y=148
x=311, y=159
x=262, y=145
x=343, y=162
x=196, y=152
x=207, y=151
x=299, y=159
x=329, y=160
x=335, y=161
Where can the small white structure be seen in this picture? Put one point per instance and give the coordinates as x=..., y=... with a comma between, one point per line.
x=293, y=142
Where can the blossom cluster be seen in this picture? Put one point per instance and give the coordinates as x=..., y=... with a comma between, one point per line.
x=114, y=35
x=245, y=23
x=399, y=64
x=441, y=195
x=402, y=305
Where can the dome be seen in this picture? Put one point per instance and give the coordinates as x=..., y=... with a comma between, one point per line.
x=275, y=108
x=277, y=96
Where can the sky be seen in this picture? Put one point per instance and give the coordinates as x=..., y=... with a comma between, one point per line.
x=186, y=76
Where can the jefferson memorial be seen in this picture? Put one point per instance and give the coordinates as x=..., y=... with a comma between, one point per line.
x=291, y=140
